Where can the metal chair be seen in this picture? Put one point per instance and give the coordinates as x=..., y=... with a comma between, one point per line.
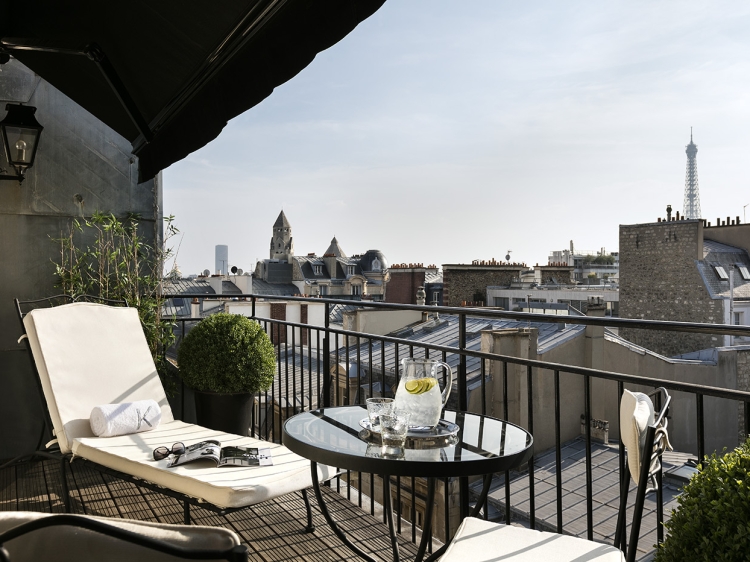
x=26, y=536
x=644, y=433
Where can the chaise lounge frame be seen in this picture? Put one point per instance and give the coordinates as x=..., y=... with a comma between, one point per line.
x=54, y=451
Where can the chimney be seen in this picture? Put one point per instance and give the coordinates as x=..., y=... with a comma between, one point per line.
x=677, y=215
x=421, y=295
x=195, y=308
x=669, y=213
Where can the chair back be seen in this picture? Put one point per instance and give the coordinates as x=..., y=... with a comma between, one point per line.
x=89, y=354
x=27, y=537
x=643, y=431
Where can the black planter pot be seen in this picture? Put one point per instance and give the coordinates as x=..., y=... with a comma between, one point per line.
x=231, y=413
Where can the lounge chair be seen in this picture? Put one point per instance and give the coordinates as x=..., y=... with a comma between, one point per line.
x=641, y=431
x=89, y=354
x=27, y=536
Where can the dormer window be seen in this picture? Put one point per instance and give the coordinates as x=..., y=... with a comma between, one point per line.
x=318, y=269
x=721, y=272
x=350, y=270
x=744, y=272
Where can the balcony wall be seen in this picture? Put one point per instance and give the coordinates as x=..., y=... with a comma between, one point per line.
x=81, y=166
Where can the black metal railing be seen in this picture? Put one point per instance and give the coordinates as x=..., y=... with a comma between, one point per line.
x=315, y=364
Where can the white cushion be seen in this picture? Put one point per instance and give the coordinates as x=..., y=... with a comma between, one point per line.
x=72, y=544
x=89, y=354
x=109, y=420
x=636, y=414
x=482, y=541
x=224, y=487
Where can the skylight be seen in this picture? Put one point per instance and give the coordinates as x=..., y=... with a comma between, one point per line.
x=721, y=272
x=744, y=272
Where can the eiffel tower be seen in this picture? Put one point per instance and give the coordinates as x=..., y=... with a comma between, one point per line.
x=692, y=203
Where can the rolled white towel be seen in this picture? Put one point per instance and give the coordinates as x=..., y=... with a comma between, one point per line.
x=109, y=420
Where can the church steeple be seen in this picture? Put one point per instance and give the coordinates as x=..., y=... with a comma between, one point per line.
x=282, y=244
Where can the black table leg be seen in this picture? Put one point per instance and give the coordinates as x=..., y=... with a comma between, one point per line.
x=427, y=527
x=324, y=510
x=477, y=508
x=389, y=515
x=483, y=496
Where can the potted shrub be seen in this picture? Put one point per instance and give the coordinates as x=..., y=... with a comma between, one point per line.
x=712, y=519
x=225, y=359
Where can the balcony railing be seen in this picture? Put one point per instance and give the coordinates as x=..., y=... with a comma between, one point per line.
x=326, y=365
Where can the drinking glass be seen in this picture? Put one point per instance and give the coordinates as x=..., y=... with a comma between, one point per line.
x=377, y=407
x=393, y=428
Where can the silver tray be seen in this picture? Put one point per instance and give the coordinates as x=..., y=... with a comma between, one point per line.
x=443, y=434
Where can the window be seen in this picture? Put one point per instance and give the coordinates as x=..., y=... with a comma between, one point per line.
x=350, y=270
x=318, y=269
x=356, y=290
x=744, y=272
x=738, y=319
x=721, y=272
x=502, y=302
x=323, y=290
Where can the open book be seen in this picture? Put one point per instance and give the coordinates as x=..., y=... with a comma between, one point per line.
x=223, y=456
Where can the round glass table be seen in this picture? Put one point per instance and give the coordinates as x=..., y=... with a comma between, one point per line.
x=335, y=436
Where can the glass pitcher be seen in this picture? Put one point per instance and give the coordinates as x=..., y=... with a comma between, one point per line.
x=418, y=391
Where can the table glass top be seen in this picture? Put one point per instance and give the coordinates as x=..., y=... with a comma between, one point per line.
x=337, y=431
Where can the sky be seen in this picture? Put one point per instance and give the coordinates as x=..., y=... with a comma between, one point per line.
x=447, y=131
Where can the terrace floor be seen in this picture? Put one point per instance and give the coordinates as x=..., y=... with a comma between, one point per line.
x=272, y=531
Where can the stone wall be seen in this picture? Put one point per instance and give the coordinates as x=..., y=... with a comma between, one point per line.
x=659, y=280
x=561, y=275
x=462, y=282
x=81, y=166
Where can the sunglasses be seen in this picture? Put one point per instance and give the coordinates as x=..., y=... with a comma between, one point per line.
x=162, y=452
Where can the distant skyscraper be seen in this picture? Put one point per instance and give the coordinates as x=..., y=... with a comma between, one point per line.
x=222, y=259
x=692, y=204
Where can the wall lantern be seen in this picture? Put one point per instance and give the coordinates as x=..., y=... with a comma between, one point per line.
x=20, y=132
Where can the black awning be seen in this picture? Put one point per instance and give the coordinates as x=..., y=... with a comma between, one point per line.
x=174, y=71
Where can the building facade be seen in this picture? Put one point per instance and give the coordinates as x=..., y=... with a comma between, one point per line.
x=463, y=284
x=407, y=279
x=334, y=274
x=686, y=271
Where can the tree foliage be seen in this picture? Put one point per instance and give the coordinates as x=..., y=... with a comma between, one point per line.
x=110, y=258
x=601, y=259
x=712, y=519
x=227, y=354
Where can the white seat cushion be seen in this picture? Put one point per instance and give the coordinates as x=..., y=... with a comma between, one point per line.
x=73, y=544
x=225, y=487
x=482, y=541
x=89, y=354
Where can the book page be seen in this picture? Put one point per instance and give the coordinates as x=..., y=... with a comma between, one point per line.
x=245, y=456
x=203, y=450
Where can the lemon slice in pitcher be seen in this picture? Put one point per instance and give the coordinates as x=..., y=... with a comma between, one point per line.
x=413, y=386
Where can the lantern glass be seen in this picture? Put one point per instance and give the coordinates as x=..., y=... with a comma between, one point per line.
x=20, y=135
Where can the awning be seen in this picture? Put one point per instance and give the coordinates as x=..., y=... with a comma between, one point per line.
x=168, y=74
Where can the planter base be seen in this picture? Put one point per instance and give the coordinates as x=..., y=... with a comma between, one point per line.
x=231, y=413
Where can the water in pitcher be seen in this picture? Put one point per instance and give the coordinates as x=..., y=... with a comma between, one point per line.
x=422, y=398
